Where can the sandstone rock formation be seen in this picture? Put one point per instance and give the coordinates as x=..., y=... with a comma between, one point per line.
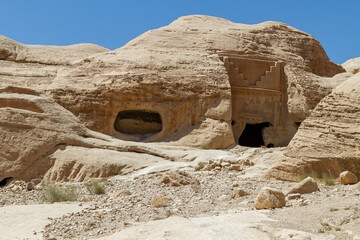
x=41, y=139
x=269, y=198
x=11, y=50
x=199, y=81
x=327, y=141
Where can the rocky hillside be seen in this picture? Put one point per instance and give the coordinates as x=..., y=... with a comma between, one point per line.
x=174, y=71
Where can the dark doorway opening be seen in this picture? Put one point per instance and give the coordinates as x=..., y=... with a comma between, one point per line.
x=252, y=135
x=138, y=122
x=5, y=181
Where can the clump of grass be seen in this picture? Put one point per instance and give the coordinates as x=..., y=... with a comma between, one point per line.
x=205, y=146
x=95, y=187
x=321, y=230
x=337, y=229
x=160, y=201
x=333, y=209
x=57, y=193
x=115, y=169
x=305, y=175
x=326, y=226
x=328, y=179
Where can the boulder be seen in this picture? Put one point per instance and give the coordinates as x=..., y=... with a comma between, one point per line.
x=308, y=185
x=347, y=177
x=238, y=192
x=269, y=198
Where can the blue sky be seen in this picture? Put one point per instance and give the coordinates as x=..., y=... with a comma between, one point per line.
x=111, y=23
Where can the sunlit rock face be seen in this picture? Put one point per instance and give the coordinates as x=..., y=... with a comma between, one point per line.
x=207, y=80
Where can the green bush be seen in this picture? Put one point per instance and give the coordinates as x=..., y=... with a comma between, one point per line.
x=95, y=187
x=57, y=193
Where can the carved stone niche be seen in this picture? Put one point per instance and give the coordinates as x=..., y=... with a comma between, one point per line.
x=259, y=100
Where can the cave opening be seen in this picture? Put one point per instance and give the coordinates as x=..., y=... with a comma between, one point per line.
x=252, y=136
x=140, y=122
x=5, y=181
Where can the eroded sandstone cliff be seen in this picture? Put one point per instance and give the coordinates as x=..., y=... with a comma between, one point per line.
x=179, y=72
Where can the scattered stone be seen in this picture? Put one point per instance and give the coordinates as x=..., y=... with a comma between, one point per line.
x=292, y=196
x=308, y=185
x=237, y=192
x=30, y=186
x=122, y=193
x=348, y=177
x=178, y=178
x=269, y=198
x=235, y=167
x=15, y=189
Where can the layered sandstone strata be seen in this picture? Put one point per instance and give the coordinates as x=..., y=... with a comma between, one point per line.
x=179, y=73
x=329, y=140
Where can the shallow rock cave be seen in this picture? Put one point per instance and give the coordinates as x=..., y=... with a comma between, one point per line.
x=140, y=122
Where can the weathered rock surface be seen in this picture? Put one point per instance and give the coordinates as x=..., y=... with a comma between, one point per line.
x=352, y=65
x=11, y=50
x=347, y=177
x=41, y=139
x=329, y=139
x=269, y=198
x=308, y=185
x=176, y=72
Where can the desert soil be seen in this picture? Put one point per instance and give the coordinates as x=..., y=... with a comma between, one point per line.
x=198, y=204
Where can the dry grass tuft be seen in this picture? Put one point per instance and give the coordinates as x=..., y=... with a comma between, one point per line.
x=57, y=193
x=95, y=187
x=160, y=201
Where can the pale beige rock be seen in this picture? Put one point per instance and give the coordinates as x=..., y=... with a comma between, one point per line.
x=178, y=178
x=292, y=196
x=347, y=177
x=352, y=65
x=11, y=50
x=238, y=192
x=308, y=185
x=41, y=139
x=269, y=198
x=180, y=73
x=327, y=141
x=122, y=193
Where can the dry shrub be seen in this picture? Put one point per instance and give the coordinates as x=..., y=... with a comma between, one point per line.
x=95, y=187
x=56, y=193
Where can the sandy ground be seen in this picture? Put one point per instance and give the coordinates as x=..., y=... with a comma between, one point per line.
x=27, y=221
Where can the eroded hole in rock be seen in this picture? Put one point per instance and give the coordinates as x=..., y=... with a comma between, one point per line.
x=138, y=122
x=5, y=181
x=252, y=136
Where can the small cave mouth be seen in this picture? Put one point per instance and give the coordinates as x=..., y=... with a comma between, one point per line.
x=141, y=122
x=5, y=181
x=252, y=135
